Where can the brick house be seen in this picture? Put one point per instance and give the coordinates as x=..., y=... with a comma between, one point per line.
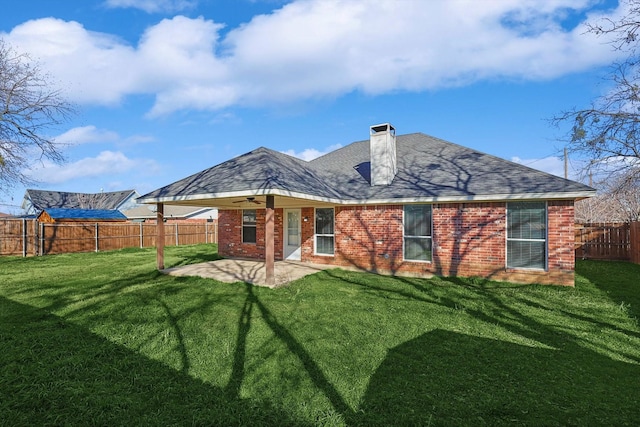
x=406, y=205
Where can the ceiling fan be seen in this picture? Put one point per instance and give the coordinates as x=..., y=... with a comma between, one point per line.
x=249, y=200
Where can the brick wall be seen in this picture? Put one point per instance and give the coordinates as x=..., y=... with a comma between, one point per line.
x=230, y=235
x=469, y=239
x=561, y=235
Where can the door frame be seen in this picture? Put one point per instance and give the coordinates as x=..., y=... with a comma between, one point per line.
x=294, y=255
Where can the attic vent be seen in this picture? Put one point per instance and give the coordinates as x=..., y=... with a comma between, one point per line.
x=382, y=145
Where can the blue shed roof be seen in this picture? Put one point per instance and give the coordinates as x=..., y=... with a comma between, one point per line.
x=88, y=214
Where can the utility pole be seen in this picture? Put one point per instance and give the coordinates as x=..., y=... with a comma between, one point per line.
x=566, y=164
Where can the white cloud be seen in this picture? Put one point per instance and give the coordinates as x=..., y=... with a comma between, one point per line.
x=314, y=48
x=153, y=6
x=86, y=134
x=107, y=163
x=311, y=153
x=91, y=68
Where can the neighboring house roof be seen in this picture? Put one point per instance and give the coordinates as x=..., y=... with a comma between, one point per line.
x=44, y=199
x=84, y=214
x=181, y=212
x=429, y=170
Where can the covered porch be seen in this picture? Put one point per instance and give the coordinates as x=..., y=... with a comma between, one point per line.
x=261, y=179
x=280, y=261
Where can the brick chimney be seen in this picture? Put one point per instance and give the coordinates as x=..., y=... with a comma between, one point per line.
x=382, y=145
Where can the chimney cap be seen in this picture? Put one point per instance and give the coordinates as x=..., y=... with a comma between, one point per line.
x=383, y=127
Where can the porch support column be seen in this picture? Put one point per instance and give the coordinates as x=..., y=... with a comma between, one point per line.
x=160, y=236
x=269, y=250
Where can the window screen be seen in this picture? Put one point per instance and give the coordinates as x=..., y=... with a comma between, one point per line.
x=249, y=226
x=324, y=231
x=417, y=232
x=526, y=235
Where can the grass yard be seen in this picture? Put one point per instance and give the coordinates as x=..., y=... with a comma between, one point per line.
x=104, y=339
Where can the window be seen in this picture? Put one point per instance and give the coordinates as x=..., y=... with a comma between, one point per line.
x=324, y=231
x=249, y=226
x=526, y=235
x=417, y=232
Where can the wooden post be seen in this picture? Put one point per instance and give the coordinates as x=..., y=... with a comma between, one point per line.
x=269, y=250
x=24, y=237
x=160, y=236
x=42, y=231
x=36, y=238
x=635, y=242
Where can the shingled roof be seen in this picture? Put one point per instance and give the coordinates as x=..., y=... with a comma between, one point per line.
x=429, y=170
x=45, y=199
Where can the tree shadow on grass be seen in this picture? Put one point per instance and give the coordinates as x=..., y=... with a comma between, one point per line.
x=620, y=280
x=53, y=372
x=448, y=378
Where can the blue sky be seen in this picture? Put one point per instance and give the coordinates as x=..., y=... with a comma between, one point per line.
x=166, y=88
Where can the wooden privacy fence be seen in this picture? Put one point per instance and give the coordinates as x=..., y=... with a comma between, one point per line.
x=619, y=241
x=30, y=237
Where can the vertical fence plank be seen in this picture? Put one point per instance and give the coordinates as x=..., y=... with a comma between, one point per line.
x=635, y=242
x=24, y=237
x=42, y=238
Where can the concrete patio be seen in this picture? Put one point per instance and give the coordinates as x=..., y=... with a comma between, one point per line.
x=248, y=271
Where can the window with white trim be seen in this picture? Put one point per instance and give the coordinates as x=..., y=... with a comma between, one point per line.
x=527, y=235
x=249, y=226
x=325, y=237
x=417, y=233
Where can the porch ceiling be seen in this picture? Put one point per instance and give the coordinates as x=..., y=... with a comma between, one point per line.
x=242, y=202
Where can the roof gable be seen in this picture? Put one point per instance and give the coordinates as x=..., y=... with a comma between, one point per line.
x=259, y=170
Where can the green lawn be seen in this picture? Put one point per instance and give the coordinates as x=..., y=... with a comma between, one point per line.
x=104, y=339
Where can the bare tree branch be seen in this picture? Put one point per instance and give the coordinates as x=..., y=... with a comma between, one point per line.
x=618, y=200
x=608, y=132
x=29, y=107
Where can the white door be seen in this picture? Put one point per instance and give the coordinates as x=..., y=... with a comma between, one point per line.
x=292, y=234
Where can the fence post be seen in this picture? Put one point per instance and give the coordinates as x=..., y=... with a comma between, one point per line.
x=24, y=237
x=206, y=232
x=42, y=238
x=634, y=248
x=96, y=237
x=36, y=237
x=141, y=237
x=176, y=234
